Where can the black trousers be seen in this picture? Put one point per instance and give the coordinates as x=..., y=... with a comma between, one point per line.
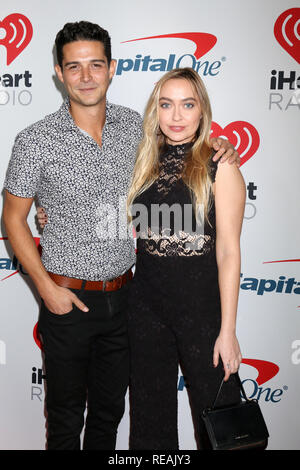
x=160, y=340
x=86, y=362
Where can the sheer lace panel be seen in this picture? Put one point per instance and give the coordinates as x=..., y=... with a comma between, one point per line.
x=166, y=240
x=181, y=244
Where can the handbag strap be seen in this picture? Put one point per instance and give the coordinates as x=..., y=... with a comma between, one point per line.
x=240, y=385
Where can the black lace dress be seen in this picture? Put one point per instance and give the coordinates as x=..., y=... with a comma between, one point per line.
x=174, y=313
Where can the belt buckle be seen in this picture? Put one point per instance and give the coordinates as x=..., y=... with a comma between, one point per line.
x=103, y=286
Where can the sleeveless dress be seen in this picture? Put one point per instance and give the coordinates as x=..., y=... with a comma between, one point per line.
x=174, y=313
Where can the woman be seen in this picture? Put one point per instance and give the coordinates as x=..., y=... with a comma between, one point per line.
x=183, y=299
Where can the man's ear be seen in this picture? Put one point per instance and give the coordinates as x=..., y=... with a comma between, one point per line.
x=112, y=68
x=59, y=74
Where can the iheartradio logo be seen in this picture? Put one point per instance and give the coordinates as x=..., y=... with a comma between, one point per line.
x=36, y=336
x=243, y=136
x=287, y=32
x=15, y=34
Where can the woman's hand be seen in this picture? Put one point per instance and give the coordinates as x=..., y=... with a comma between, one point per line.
x=227, y=347
x=42, y=217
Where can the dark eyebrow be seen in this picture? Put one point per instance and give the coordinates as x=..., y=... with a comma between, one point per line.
x=74, y=62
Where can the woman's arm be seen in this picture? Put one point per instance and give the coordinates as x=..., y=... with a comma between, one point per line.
x=230, y=193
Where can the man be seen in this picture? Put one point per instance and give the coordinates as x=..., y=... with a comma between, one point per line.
x=74, y=161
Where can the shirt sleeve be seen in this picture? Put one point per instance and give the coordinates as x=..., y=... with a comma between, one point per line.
x=140, y=127
x=24, y=168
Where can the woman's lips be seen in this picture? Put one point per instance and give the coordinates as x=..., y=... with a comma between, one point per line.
x=176, y=128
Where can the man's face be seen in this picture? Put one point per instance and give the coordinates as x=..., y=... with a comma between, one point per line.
x=85, y=72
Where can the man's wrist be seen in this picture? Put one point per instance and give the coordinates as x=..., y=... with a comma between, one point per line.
x=45, y=286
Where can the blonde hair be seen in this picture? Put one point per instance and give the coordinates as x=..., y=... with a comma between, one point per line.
x=196, y=172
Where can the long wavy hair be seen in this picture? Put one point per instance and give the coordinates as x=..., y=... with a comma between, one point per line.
x=196, y=172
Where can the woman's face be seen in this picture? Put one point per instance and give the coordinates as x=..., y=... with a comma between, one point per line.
x=179, y=111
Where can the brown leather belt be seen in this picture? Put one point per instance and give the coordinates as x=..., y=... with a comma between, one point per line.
x=107, y=286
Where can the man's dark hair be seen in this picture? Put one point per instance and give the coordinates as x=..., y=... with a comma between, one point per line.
x=81, y=31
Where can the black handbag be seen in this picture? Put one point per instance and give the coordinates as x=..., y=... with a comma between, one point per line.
x=236, y=427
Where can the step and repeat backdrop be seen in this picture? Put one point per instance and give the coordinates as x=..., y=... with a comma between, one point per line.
x=248, y=54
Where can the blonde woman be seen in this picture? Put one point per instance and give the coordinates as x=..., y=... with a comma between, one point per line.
x=188, y=212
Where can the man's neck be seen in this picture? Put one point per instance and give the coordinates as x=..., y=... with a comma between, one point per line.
x=91, y=119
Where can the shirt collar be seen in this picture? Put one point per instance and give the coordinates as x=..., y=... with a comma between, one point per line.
x=66, y=121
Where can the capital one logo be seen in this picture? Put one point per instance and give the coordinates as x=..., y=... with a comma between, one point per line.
x=15, y=35
x=13, y=264
x=243, y=136
x=266, y=370
x=203, y=43
x=256, y=389
x=287, y=32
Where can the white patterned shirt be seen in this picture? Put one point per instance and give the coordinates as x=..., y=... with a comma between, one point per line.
x=83, y=188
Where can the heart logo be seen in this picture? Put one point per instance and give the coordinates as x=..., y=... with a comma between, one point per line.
x=287, y=32
x=16, y=33
x=36, y=336
x=243, y=136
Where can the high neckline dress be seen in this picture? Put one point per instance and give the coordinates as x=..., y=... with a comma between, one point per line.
x=174, y=311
